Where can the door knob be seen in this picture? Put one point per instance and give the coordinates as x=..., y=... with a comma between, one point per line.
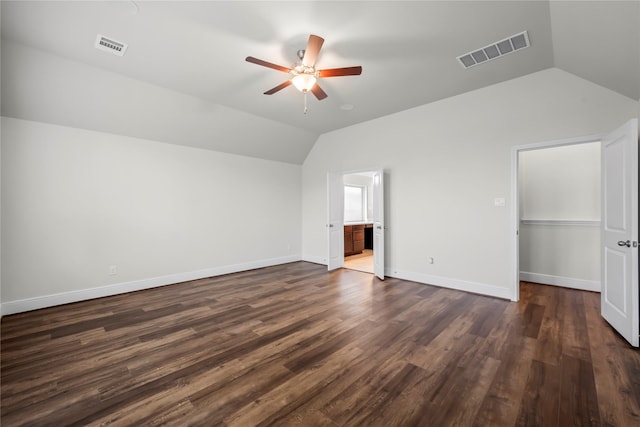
x=623, y=243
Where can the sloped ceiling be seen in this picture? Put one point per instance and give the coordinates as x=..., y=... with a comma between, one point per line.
x=184, y=79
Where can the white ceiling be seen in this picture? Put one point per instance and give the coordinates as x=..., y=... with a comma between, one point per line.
x=407, y=50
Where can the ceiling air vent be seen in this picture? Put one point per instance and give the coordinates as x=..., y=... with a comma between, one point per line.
x=495, y=50
x=110, y=45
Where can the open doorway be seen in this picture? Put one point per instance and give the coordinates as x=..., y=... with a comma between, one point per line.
x=559, y=220
x=618, y=225
x=358, y=221
x=537, y=218
x=355, y=202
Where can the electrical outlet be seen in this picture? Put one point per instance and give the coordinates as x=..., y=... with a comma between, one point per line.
x=113, y=270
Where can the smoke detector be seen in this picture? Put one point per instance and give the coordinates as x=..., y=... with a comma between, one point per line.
x=496, y=50
x=110, y=45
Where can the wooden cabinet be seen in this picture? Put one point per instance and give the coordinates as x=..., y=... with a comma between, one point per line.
x=348, y=240
x=353, y=239
x=358, y=238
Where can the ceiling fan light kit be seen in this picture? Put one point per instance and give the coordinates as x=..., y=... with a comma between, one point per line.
x=304, y=76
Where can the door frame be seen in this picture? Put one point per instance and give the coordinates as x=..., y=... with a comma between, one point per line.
x=335, y=223
x=515, y=202
x=350, y=172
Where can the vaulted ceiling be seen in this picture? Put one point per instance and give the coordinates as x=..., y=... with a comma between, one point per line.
x=187, y=62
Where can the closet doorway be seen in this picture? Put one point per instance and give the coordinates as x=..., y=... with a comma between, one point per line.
x=559, y=215
x=618, y=218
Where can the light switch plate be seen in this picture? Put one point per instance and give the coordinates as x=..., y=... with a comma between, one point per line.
x=498, y=202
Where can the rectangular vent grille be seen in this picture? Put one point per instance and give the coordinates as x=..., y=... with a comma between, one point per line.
x=496, y=50
x=110, y=45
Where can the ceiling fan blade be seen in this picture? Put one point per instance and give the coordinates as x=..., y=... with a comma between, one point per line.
x=337, y=72
x=267, y=64
x=278, y=88
x=313, y=49
x=318, y=92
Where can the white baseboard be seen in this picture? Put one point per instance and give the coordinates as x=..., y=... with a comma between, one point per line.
x=19, y=306
x=566, y=282
x=314, y=259
x=445, y=282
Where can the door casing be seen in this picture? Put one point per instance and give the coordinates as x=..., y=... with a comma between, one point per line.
x=515, y=202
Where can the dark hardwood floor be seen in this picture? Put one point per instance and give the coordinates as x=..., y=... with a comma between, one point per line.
x=295, y=345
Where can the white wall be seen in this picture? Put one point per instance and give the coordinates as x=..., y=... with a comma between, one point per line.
x=562, y=255
x=75, y=202
x=561, y=183
x=41, y=86
x=560, y=216
x=445, y=163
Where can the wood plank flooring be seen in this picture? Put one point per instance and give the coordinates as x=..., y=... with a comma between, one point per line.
x=295, y=345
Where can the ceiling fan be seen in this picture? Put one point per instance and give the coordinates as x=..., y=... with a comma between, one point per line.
x=304, y=75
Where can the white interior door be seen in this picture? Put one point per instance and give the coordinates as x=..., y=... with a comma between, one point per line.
x=619, y=231
x=335, y=221
x=378, y=224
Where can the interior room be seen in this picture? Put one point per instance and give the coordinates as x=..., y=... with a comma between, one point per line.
x=358, y=221
x=172, y=251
